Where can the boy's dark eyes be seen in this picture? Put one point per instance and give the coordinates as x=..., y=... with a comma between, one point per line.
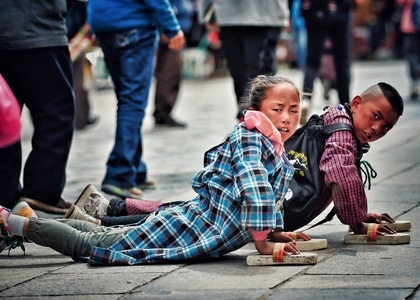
x=375, y=116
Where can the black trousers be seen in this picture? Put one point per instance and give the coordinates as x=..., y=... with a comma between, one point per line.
x=338, y=31
x=168, y=75
x=247, y=49
x=41, y=80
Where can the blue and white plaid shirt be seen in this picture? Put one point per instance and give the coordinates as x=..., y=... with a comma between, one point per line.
x=237, y=189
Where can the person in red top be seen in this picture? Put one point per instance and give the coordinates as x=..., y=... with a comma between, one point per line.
x=411, y=46
x=373, y=114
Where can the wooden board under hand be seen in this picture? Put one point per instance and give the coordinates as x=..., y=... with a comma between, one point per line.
x=304, y=258
x=311, y=245
x=387, y=239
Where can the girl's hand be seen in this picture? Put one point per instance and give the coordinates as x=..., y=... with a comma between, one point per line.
x=284, y=237
x=265, y=248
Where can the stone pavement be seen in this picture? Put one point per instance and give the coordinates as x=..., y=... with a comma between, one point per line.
x=174, y=155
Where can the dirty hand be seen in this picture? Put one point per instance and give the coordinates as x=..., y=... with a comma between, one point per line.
x=281, y=236
x=177, y=42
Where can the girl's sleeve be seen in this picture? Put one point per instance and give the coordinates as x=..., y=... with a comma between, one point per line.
x=252, y=182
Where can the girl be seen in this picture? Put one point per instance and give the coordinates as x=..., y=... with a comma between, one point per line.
x=240, y=191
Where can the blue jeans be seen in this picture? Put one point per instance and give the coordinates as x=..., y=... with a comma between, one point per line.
x=129, y=58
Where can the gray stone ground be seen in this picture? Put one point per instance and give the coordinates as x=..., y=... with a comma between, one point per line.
x=174, y=155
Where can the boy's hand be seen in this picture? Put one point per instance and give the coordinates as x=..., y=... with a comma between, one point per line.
x=284, y=237
x=379, y=218
x=362, y=228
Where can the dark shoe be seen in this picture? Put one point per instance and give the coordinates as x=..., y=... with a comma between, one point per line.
x=92, y=120
x=149, y=184
x=60, y=208
x=123, y=193
x=169, y=122
x=414, y=91
x=117, y=207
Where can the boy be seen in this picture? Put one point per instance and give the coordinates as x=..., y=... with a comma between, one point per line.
x=372, y=114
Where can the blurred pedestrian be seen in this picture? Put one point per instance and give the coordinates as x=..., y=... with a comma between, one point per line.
x=169, y=68
x=77, y=29
x=327, y=19
x=128, y=33
x=35, y=62
x=411, y=46
x=247, y=31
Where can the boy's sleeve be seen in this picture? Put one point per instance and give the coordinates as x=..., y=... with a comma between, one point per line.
x=338, y=163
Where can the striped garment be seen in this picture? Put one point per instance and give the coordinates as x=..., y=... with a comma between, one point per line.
x=343, y=183
x=237, y=189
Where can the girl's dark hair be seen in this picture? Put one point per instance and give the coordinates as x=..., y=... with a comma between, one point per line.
x=258, y=90
x=393, y=97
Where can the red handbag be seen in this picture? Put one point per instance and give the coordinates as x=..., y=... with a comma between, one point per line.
x=10, y=110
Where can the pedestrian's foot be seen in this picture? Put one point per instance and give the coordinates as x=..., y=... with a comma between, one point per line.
x=169, y=122
x=149, y=184
x=133, y=192
x=414, y=94
x=304, y=112
x=60, y=208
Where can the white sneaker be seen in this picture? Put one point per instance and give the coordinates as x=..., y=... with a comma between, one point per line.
x=92, y=202
x=77, y=214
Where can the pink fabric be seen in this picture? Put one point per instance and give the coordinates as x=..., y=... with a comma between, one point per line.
x=10, y=124
x=138, y=207
x=406, y=24
x=259, y=236
x=258, y=120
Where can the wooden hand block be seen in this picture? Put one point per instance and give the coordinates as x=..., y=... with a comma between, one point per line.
x=400, y=225
x=267, y=260
x=388, y=239
x=313, y=244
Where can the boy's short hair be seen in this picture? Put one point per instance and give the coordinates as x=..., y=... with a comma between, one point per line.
x=392, y=95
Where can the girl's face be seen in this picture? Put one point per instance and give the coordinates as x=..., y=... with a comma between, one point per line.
x=281, y=106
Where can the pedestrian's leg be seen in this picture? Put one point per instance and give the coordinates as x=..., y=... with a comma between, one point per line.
x=129, y=59
x=340, y=38
x=233, y=49
x=45, y=84
x=168, y=75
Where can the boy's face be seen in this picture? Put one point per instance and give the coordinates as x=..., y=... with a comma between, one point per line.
x=372, y=119
x=281, y=106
